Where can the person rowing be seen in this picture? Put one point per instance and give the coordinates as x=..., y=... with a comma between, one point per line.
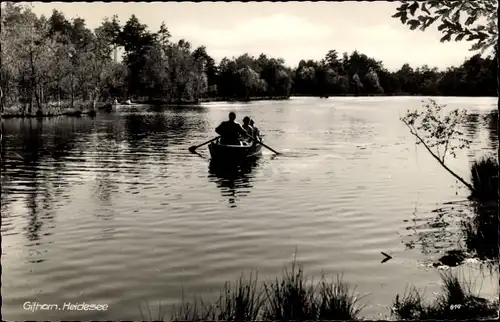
x=256, y=132
x=231, y=130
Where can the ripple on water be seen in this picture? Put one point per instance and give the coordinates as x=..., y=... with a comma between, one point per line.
x=117, y=211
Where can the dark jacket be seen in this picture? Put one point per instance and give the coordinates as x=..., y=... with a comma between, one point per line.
x=230, y=132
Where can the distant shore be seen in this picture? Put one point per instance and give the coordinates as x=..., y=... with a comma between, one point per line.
x=387, y=95
x=210, y=99
x=80, y=108
x=52, y=109
x=89, y=108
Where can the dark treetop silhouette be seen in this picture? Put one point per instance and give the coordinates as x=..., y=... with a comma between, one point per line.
x=54, y=60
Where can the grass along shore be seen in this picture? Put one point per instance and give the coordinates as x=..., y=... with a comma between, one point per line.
x=456, y=301
x=78, y=108
x=482, y=231
x=293, y=296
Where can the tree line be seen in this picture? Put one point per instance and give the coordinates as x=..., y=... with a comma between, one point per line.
x=53, y=59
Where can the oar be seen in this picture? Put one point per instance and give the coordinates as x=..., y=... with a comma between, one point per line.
x=267, y=147
x=257, y=141
x=194, y=147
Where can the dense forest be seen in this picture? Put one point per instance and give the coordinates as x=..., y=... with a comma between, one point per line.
x=55, y=59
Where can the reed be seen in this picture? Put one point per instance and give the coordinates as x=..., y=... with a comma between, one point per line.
x=338, y=301
x=148, y=314
x=482, y=232
x=484, y=175
x=290, y=297
x=455, y=302
x=196, y=310
x=293, y=297
x=240, y=302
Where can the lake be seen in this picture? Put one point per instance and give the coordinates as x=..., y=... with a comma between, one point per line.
x=115, y=210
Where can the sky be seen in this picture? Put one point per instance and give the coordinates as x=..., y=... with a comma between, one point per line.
x=291, y=30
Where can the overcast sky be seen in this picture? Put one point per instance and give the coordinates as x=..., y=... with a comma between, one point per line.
x=291, y=30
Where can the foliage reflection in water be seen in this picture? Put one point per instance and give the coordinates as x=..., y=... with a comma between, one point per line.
x=82, y=196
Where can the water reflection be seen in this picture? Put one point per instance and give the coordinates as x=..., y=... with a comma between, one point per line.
x=233, y=180
x=105, y=185
x=31, y=141
x=471, y=125
x=41, y=158
x=437, y=231
x=471, y=225
x=492, y=126
x=33, y=168
x=477, y=123
x=173, y=126
x=481, y=232
x=149, y=136
x=143, y=129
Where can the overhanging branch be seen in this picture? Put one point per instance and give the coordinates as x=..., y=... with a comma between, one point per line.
x=468, y=185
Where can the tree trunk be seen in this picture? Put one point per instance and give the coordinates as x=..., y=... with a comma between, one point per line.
x=498, y=90
x=34, y=84
x=95, y=98
x=1, y=103
x=42, y=96
x=58, y=93
x=468, y=185
x=72, y=93
x=1, y=123
x=30, y=93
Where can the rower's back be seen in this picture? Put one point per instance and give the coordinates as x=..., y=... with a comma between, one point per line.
x=230, y=131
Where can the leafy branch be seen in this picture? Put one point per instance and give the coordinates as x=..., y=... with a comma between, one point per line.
x=439, y=133
x=474, y=21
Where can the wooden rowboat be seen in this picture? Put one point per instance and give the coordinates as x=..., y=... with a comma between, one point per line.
x=245, y=151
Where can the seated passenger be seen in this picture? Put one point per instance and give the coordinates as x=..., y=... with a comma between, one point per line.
x=247, y=127
x=230, y=131
x=256, y=132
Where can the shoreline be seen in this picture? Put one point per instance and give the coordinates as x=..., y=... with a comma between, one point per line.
x=50, y=110
x=54, y=109
x=383, y=95
x=208, y=100
x=46, y=115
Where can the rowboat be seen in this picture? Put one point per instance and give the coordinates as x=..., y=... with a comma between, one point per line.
x=245, y=151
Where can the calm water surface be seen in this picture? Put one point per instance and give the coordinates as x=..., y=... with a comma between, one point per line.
x=115, y=210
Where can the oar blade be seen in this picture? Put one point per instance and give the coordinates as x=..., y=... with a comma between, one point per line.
x=276, y=152
x=194, y=147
